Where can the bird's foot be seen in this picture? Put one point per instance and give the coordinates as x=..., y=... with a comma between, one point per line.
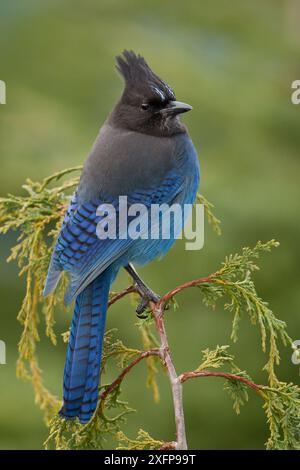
x=147, y=296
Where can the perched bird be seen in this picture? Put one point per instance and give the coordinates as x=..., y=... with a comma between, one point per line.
x=143, y=151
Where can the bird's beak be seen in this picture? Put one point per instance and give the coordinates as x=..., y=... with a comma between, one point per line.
x=176, y=107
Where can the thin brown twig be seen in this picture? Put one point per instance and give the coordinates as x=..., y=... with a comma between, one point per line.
x=226, y=375
x=128, y=290
x=202, y=280
x=119, y=379
x=168, y=446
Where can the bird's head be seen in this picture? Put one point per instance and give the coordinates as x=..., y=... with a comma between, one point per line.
x=147, y=104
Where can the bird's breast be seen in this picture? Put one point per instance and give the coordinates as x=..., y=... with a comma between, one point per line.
x=124, y=161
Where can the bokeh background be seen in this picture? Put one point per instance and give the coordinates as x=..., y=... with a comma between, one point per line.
x=234, y=61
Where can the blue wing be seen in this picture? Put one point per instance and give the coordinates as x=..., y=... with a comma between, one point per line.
x=78, y=249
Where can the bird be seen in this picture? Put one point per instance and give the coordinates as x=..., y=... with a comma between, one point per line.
x=143, y=151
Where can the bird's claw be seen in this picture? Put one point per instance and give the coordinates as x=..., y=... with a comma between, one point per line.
x=140, y=310
x=147, y=296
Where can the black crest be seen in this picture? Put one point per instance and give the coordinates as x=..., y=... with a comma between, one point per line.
x=139, y=78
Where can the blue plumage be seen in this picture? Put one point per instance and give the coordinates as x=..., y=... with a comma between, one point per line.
x=82, y=368
x=145, y=153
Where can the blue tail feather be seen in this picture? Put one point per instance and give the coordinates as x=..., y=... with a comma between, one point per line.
x=82, y=368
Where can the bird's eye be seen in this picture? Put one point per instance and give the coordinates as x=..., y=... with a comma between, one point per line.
x=145, y=106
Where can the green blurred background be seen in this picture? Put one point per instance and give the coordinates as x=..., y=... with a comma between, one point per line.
x=234, y=61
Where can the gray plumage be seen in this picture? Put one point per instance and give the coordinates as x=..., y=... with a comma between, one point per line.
x=122, y=161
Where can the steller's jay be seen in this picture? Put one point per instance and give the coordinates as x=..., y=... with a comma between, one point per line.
x=143, y=151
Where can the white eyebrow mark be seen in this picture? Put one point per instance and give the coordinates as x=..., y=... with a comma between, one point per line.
x=159, y=92
x=170, y=90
